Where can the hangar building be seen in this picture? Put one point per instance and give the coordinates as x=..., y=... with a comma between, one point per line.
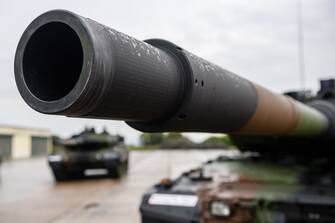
x=21, y=142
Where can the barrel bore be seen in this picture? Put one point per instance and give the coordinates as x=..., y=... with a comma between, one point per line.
x=52, y=61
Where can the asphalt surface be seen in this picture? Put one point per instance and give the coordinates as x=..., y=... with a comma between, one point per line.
x=28, y=192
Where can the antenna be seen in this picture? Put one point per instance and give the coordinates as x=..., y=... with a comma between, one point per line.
x=300, y=40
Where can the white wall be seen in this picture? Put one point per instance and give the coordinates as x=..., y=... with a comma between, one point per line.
x=21, y=139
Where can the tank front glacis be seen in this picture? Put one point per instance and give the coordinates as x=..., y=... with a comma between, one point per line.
x=172, y=201
x=86, y=151
x=247, y=189
x=270, y=189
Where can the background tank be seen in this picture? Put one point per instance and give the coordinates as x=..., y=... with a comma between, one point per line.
x=88, y=150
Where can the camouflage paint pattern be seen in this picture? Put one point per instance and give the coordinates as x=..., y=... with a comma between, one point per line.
x=280, y=115
x=251, y=189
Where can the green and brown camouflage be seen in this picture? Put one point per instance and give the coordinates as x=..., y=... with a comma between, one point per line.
x=246, y=188
x=255, y=190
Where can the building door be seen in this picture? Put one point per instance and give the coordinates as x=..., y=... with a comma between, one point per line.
x=39, y=146
x=5, y=146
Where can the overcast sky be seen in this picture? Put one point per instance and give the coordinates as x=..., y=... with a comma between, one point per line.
x=255, y=39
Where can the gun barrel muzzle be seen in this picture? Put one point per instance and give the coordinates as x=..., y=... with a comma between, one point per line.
x=69, y=65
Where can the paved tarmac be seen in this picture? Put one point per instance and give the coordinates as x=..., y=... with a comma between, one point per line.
x=28, y=192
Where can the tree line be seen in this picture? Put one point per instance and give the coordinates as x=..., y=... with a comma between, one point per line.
x=176, y=140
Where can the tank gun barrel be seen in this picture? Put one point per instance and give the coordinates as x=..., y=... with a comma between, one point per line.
x=69, y=65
